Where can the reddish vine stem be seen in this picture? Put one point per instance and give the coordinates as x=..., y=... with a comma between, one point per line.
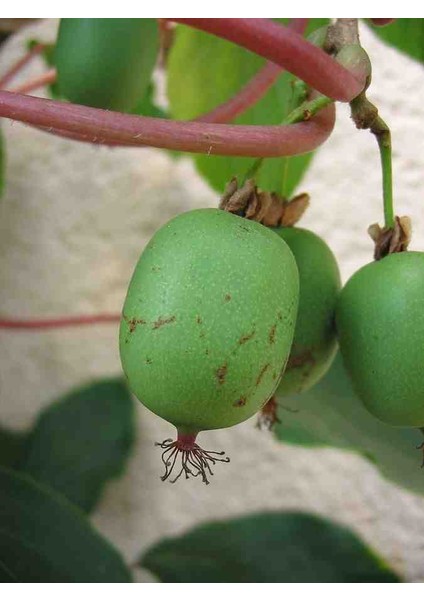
x=20, y=64
x=246, y=97
x=59, y=322
x=35, y=83
x=287, y=49
x=254, y=89
x=130, y=130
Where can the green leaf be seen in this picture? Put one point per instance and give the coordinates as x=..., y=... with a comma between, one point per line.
x=330, y=414
x=205, y=71
x=83, y=440
x=267, y=548
x=13, y=445
x=407, y=35
x=147, y=106
x=44, y=539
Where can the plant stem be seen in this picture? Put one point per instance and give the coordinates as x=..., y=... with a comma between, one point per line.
x=287, y=49
x=20, y=64
x=303, y=112
x=105, y=127
x=35, y=83
x=307, y=110
x=254, y=89
x=365, y=116
x=59, y=322
x=385, y=146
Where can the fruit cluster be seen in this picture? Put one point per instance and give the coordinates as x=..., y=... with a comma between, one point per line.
x=223, y=314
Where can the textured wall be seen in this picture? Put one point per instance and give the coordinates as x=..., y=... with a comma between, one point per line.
x=74, y=220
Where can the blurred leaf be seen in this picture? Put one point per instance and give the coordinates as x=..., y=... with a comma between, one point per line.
x=44, y=539
x=267, y=548
x=13, y=445
x=330, y=414
x=407, y=35
x=106, y=63
x=83, y=440
x=205, y=71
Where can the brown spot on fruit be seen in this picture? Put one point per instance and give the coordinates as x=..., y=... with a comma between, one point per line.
x=148, y=361
x=221, y=374
x=199, y=320
x=245, y=338
x=132, y=323
x=280, y=315
x=241, y=401
x=300, y=360
x=227, y=297
x=271, y=335
x=161, y=322
x=262, y=373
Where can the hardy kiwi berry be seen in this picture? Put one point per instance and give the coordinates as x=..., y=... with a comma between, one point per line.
x=207, y=327
x=380, y=324
x=314, y=344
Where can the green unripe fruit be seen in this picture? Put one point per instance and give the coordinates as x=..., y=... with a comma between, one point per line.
x=314, y=344
x=106, y=63
x=208, y=321
x=380, y=323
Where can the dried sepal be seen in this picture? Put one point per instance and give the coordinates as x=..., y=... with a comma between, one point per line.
x=389, y=240
x=269, y=208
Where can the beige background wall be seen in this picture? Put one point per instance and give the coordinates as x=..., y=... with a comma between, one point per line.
x=74, y=220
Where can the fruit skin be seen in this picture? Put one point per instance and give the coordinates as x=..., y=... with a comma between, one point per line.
x=315, y=342
x=380, y=323
x=209, y=319
x=106, y=63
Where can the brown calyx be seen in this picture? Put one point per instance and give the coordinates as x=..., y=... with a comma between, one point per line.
x=269, y=208
x=268, y=416
x=389, y=240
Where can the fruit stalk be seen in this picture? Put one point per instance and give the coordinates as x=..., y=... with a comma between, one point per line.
x=302, y=113
x=365, y=116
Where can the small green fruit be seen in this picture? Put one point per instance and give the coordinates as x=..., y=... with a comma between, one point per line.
x=380, y=323
x=106, y=63
x=208, y=323
x=314, y=343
